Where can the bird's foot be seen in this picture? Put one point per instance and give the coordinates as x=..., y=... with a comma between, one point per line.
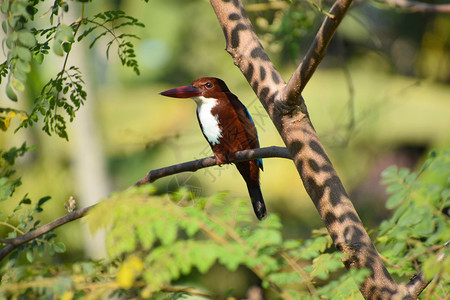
x=222, y=160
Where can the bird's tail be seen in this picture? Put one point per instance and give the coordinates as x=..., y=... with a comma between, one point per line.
x=257, y=201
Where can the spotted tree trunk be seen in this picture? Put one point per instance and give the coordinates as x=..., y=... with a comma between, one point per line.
x=287, y=109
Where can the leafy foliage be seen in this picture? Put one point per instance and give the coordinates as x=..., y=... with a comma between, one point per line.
x=65, y=92
x=26, y=42
x=154, y=240
x=8, y=183
x=22, y=218
x=416, y=237
x=19, y=42
x=117, y=19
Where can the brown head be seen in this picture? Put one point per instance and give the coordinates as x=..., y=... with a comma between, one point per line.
x=208, y=87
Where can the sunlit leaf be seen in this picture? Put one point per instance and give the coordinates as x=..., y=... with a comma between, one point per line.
x=39, y=58
x=59, y=247
x=10, y=92
x=27, y=39
x=30, y=255
x=18, y=85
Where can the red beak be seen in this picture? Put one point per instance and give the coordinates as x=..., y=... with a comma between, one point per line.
x=187, y=91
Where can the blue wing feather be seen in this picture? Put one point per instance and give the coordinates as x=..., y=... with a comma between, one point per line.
x=259, y=161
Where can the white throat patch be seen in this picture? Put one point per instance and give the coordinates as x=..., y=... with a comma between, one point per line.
x=210, y=122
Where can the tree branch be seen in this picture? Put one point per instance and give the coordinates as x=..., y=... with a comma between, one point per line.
x=291, y=119
x=316, y=51
x=188, y=290
x=191, y=166
x=13, y=243
x=415, y=6
x=417, y=284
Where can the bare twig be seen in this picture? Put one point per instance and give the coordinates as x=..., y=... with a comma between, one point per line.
x=415, y=6
x=192, y=166
x=188, y=290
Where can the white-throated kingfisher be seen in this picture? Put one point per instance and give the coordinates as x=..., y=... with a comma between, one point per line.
x=228, y=128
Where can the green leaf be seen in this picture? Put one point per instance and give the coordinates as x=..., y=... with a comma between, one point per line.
x=66, y=46
x=11, y=39
x=204, y=256
x=23, y=53
x=166, y=231
x=394, y=187
x=18, y=85
x=5, y=6
x=389, y=173
x=120, y=240
x=13, y=256
x=30, y=255
x=5, y=25
x=10, y=92
x=21, y=68
x=57, y=48
x=231, y=257
x=25, y=200
x=41, y=249
x=261, y=237
x=12, y=21
x=43, y=200
x=395, y=200
x=27, y=39
x=411, y=178
x=59, y=247
x=314, y=247
x=39, y=58
x=19, y=8
x=64, y=33
x=284, y=278
x=146, y=235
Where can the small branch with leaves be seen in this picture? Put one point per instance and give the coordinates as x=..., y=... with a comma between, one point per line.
x=65, y=90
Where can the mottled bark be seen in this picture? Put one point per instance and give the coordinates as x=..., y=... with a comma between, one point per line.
x=288, y=112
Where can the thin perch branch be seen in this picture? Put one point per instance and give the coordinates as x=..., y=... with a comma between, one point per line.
x=192, y=166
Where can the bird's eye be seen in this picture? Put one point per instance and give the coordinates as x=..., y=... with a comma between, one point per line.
x=209, y=85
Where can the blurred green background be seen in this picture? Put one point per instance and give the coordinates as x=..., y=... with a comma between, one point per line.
x=380, y=97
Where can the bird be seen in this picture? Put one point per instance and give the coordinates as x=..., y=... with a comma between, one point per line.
x=228, y=127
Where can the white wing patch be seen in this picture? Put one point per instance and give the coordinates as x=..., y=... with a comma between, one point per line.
x=210, y=122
